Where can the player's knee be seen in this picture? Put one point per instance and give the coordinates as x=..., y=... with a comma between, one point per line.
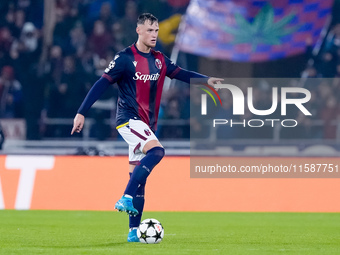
x=157, y=153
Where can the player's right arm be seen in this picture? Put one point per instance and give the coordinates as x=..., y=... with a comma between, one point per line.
x=92, y=96
x=112, y=74
x=78, y=123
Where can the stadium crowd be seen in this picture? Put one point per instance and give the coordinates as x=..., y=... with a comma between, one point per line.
x=47, y=77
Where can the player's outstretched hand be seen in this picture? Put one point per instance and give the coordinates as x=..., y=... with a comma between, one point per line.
x=78, y=123
x=213, y=81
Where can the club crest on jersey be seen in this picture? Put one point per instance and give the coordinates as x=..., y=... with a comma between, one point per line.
x=147, y=132
x=158, y=63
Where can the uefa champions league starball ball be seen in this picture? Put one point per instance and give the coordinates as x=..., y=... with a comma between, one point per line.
x=150, y=231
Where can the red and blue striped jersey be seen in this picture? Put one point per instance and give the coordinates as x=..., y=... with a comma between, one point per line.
x=140, y=78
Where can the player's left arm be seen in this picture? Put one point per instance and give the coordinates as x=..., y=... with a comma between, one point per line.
x=176, y=72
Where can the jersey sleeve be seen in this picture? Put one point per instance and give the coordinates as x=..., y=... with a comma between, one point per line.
x=93, y=95
x=115, y=70
x=171, y=67
x=173, y=71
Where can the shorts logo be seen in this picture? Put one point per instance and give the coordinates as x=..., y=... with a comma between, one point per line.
x=158, y=63
x=147, y=132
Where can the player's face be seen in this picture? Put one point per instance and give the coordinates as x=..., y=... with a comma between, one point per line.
x=148, y=33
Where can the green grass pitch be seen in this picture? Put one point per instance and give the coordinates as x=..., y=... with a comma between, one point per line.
x=89, y=232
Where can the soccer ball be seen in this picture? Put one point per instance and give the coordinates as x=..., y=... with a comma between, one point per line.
x=150, y=231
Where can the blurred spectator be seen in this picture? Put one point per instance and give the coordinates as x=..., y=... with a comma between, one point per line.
x=25, y=53
x=66, y=18
x=328, y=57
x=6, y=41
x=57, y=109
x=106, y=15
x=100, y=40
x=198, y=128
x=95, y=11
x=87, y=62
x=100, y=130
x=330, y=114
x=65, y=97
x=71, y=78
x=9, y=17
x=172, y=111
x=11, y=101
x=19, y=22
x=78, y=40
x=28, y=44
x=128, y=23
x=54, y=65
x=118, y=32
x=57, y=98
x=25, y=5
x=327, y=64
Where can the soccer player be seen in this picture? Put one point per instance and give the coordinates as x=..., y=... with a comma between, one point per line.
x=139, y=72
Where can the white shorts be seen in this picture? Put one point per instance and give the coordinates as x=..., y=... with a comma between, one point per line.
x=136, y=133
